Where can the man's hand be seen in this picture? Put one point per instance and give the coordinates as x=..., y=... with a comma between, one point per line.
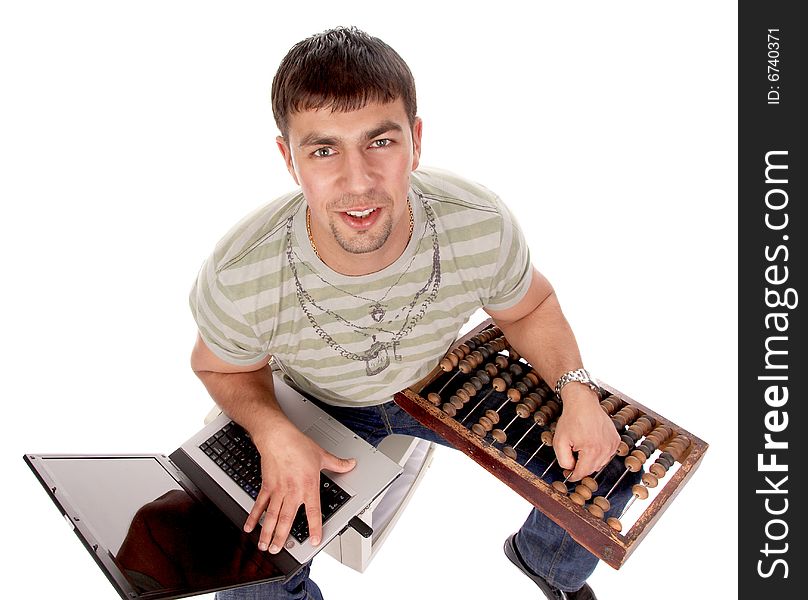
x=585, y=428
x=290, y=473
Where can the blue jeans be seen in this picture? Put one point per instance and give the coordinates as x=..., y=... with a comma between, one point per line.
x=546, y=548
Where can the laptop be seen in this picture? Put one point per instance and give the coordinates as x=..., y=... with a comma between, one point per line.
x=171, y=526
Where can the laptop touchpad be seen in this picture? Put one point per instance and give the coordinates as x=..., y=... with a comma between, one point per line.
x=325, y=434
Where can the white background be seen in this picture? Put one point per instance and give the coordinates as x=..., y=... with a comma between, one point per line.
x=133, y=135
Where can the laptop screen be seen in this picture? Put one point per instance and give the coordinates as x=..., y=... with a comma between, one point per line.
x=165, y=542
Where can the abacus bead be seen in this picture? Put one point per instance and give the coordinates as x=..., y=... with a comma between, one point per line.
x=456, y=402
x=465, y=367
x=501, y=361
x=449, y=409
x=596, y=510
x=658, y=470
x=547, y=437
x=463, y=395
x=484, y=378
x=633, y=464
x=560, y=487
x=668, y=456
x=446, y=364
x=577, y=499
x=486, y=423
x=514, y=354
x=433, y=398
x=506, y=377
x=622, y=449
x=540, y=418
x=648, y=448
x=499, y=384
x=491, y=369
x=533, y=378
x=640, y=491
x=614, y=523
x=479, y=430
x=469, y=388
x=523, y=410
x=521, y=387
x=530, y=403
x=499, y=435
x=514, y=395
x=583, y=491
x=590, y=483
x=665, y=462
x=516, y=369
x=492, y=416
x=650, y=479
x=627, y=440
x=454, y=359
x=639, y=455
x=509, y=452
x=602, y=503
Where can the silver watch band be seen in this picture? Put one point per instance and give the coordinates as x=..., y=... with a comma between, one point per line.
x=579, y=375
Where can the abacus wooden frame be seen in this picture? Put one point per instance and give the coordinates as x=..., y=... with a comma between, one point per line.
x=594, y=534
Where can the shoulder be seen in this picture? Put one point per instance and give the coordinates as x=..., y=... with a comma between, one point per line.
x=464, y=207
x=447, y=187
x=259, y=232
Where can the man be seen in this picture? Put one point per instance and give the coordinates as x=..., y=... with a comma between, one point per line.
x=357, y=284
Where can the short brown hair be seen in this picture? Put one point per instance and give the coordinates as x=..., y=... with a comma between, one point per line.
x=342, y=68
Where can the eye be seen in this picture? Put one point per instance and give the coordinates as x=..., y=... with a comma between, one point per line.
x=382, y=143
x=323, y=152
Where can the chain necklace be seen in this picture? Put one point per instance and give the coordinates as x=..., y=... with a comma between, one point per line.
x=376, y=358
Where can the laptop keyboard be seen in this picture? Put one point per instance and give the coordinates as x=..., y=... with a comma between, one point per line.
x=234, y=452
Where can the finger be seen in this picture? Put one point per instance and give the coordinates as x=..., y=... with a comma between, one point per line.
x=259, y=506
x=314, y=516
x=586, y=465
x=270, y=521
x=336, y=464
x=284, y=524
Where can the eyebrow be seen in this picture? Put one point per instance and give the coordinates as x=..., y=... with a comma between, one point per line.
x=319, y=139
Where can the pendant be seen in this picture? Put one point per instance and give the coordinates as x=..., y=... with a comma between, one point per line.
x=379, y=359
x=377, y=312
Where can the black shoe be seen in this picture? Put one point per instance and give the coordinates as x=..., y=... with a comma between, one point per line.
x=551, y=592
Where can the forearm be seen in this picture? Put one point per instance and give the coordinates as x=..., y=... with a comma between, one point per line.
x=545, y=339
x=248, y=398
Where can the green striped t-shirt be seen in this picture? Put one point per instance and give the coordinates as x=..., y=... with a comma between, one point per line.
x=357, y=340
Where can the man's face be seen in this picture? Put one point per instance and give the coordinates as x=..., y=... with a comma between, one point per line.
x=354, y=168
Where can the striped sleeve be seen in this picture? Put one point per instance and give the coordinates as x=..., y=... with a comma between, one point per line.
x=513, y=270
x=221, y=324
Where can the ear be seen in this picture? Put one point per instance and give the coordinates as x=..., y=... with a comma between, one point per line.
x=416, y=142
x=286, y=152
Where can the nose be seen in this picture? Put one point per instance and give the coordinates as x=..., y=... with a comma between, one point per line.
x=357, y=173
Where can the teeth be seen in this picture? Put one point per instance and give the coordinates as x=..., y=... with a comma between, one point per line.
x=360, y=213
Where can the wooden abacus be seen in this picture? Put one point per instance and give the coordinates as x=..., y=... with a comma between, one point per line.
x=483, y=394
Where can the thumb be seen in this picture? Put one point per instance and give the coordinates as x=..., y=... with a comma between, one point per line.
x=336, y=464
x=563, y=451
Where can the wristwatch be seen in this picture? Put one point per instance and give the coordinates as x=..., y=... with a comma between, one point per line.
x=579, y=375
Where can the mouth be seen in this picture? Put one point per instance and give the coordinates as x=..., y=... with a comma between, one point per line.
x=360, y=218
